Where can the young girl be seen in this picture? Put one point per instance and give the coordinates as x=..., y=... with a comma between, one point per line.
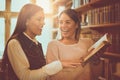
x=70, y=48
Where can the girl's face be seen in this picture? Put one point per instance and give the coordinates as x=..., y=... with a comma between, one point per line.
x=67, y=26
x=35, y=23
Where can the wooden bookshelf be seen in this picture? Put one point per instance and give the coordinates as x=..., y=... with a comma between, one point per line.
x=114, y=56
x=104, y=17
x=94, y=4
x=102, y=25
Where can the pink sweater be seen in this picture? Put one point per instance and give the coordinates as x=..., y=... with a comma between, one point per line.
x=59, y=51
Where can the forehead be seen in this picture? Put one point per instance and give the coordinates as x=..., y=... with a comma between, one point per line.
x=39, y=14
x=64, y=16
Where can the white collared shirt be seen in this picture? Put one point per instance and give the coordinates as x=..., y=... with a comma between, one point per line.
x=34, y=40
x=21, y=65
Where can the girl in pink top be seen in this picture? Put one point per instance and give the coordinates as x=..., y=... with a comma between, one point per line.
x=70, y=49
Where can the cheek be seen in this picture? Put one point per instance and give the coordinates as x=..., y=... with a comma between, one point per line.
x=72, y=29
x=32, y=26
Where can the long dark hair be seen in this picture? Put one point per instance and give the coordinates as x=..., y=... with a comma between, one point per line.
x=74, y=16
x=26, y=12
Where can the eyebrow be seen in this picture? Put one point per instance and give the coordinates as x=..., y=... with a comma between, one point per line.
x=65, y=20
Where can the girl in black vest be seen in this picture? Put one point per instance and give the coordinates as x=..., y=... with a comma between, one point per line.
x=23, y=57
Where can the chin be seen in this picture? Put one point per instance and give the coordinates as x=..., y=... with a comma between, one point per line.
x=65, y=36
x=39, y=33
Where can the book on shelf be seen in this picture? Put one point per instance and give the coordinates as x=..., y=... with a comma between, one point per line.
x=104, y=15
x=104, y=40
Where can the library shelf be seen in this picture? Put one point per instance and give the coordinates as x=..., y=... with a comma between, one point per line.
x=102, y=25
x=94, y=4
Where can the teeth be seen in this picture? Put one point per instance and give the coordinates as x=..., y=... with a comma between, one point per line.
x=65, y=30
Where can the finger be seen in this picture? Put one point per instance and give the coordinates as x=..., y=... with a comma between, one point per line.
x=71, y=66
x=75, y=63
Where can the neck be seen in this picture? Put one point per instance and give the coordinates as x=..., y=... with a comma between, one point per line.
x=31, y=35
x=69, y=41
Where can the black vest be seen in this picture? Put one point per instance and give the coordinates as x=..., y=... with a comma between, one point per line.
x=33, y=52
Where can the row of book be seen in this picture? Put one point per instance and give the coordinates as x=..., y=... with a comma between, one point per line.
x=103, y=15
x=115, y=46
x=96, y=34
x=78, y=3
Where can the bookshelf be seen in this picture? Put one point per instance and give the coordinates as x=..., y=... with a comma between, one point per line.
x=103, y=16
x=115, y=56
x=94, y=4
x=102, y=25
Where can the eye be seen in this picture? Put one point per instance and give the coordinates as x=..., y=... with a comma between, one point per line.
x=40, y=19
x=68, y=22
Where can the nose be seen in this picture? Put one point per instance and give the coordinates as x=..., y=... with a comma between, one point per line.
x=62, y=25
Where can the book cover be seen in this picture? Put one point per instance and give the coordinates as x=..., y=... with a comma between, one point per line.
x=104, y=40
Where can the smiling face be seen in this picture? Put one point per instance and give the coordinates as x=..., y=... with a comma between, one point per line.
x=67, y=26
x=35, y=24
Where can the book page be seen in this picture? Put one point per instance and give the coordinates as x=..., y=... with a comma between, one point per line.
x=98, y=45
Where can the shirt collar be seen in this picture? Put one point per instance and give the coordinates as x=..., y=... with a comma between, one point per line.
x=34, y=40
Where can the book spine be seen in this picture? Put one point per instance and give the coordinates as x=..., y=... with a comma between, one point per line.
x=118, y=12
x=110, y=13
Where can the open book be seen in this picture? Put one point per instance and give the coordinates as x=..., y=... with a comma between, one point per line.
x=104, y=40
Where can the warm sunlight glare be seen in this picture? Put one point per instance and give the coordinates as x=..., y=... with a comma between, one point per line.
x=45, y=4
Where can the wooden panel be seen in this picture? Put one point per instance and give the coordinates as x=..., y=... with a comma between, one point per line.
x=1, y=14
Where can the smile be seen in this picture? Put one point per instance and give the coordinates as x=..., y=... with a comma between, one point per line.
x=65, y=30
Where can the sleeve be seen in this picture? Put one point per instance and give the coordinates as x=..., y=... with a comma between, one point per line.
x=52, y=52
x=53, y=67
x=20, y=64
